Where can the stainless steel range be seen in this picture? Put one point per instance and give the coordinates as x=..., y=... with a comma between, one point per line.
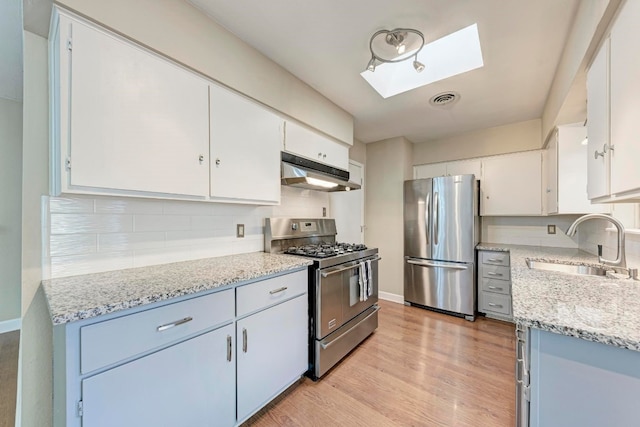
x=343, y=286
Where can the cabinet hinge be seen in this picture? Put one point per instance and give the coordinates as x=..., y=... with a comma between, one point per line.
x=67, y=163
x=69, y=44
x=80, y=408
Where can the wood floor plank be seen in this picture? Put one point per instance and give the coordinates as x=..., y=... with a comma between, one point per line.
x=419, y=368
x=9, y=343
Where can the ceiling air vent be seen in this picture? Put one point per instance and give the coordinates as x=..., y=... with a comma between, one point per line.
x=444, y=98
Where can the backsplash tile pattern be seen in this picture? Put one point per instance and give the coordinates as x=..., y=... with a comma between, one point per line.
x=530, y=231
x=90, y=234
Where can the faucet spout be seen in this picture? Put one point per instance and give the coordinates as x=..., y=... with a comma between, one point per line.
x=620, y=260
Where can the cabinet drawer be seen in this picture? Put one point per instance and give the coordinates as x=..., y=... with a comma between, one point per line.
x=495, y=258
x=496, y=303
x=108, y=342
x=497, y=286
x=495, y=272
x=258, y=295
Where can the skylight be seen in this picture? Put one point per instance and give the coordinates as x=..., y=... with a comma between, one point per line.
x=451, y=55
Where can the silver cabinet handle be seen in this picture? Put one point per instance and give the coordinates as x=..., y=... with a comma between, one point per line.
x=174, y=324
x=429, y=264
x=229, y=348
x=494, y=287
x=218, y=161
x=495, y=260
x=201, y=158
x=495, y=305
x=275, y=291
x=244, y=340
x=491, y=273
x=340, y=270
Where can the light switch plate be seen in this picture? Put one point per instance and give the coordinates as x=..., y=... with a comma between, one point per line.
x=551, y=229
x=324, y=212
x=239, y=230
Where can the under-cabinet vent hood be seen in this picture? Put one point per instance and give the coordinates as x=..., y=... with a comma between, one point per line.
x=304, y=173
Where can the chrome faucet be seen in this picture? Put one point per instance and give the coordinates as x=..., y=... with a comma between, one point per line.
x=621, y=260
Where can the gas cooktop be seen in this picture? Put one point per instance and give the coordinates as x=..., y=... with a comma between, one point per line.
x=325, y=250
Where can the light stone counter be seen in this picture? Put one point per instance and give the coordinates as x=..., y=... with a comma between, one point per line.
x=600, y=309
x=82, y=297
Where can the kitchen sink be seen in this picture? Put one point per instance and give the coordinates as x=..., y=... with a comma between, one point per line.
x=567, y=268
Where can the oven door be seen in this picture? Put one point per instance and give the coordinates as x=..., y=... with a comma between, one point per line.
x=338, y=295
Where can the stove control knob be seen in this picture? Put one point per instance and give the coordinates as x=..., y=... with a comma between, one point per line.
x=294, y=226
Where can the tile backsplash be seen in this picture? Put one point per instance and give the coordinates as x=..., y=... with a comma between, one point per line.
x=530, y=231
x=601, y=232
x=90, y=234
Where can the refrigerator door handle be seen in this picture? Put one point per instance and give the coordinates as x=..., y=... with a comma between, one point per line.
x=435, y=218
x=430, y=264
x=426, y=216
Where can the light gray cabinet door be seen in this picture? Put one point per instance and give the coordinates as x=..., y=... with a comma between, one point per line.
x=272, y=352
x=189, y=384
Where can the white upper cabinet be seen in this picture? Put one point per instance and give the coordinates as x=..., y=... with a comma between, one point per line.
x=613, y=111
x=126, y=120
x=430, y=170
x=625, y=100
x=598, y=124
x=304, y=142
x=566, y=170
x=512, y=184
x=465, y=167
x=457, y=167
x=245, y=149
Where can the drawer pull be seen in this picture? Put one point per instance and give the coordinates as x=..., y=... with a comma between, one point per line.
x=495, y=305
x=491, y=273
x=229, y=350
x=495, y=260
x=173, y=324
x=275, y=291
x=495, y=287
x=244, y=340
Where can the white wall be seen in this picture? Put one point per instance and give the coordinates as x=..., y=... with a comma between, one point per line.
x=530, y=231
x=35, y=383
x=388, y=166
x=10, y=208
x=178, y=30
x=521, y=136
x=85, y=234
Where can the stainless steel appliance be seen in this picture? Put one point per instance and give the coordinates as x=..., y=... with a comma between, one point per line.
x=343, y=286
x=301, y=172
x=441, y=231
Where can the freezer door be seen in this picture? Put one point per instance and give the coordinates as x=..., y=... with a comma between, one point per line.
x=454, y=218
x=417, y=218
x=443, y=285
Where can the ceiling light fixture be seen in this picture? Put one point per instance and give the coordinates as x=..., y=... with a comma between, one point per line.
x=392, y=46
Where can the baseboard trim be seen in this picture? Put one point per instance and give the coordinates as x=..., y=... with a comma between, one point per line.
x=10, y=325
x=388, y=296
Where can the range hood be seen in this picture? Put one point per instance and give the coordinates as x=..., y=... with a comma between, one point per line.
x=304, y=173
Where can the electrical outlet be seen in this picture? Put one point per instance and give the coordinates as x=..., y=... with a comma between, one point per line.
x=324, y=212
x=551, y=229
x=240, y=230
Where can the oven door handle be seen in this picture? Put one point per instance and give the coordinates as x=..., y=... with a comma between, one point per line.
x=330, y=343
x=429, y=264
x=340, y=270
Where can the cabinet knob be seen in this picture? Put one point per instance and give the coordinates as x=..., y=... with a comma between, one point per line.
x=201, y=158
x=548, y=190
x=324, y=156
x=319, y=155
x=218, y=162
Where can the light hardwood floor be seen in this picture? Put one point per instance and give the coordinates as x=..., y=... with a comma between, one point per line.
x=9, y=342
x=419, y=368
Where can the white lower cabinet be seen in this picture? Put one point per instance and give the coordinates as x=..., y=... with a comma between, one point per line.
x=188, y=384
x=272, y=352
x=210, y=360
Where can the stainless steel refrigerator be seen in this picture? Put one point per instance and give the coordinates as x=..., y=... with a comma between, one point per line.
x=441, y=231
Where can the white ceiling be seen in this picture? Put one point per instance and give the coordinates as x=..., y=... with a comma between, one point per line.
x=11, y=49
x=325, y=43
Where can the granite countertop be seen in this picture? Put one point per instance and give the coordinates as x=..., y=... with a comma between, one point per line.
x=90, y=295
x=600, y=309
